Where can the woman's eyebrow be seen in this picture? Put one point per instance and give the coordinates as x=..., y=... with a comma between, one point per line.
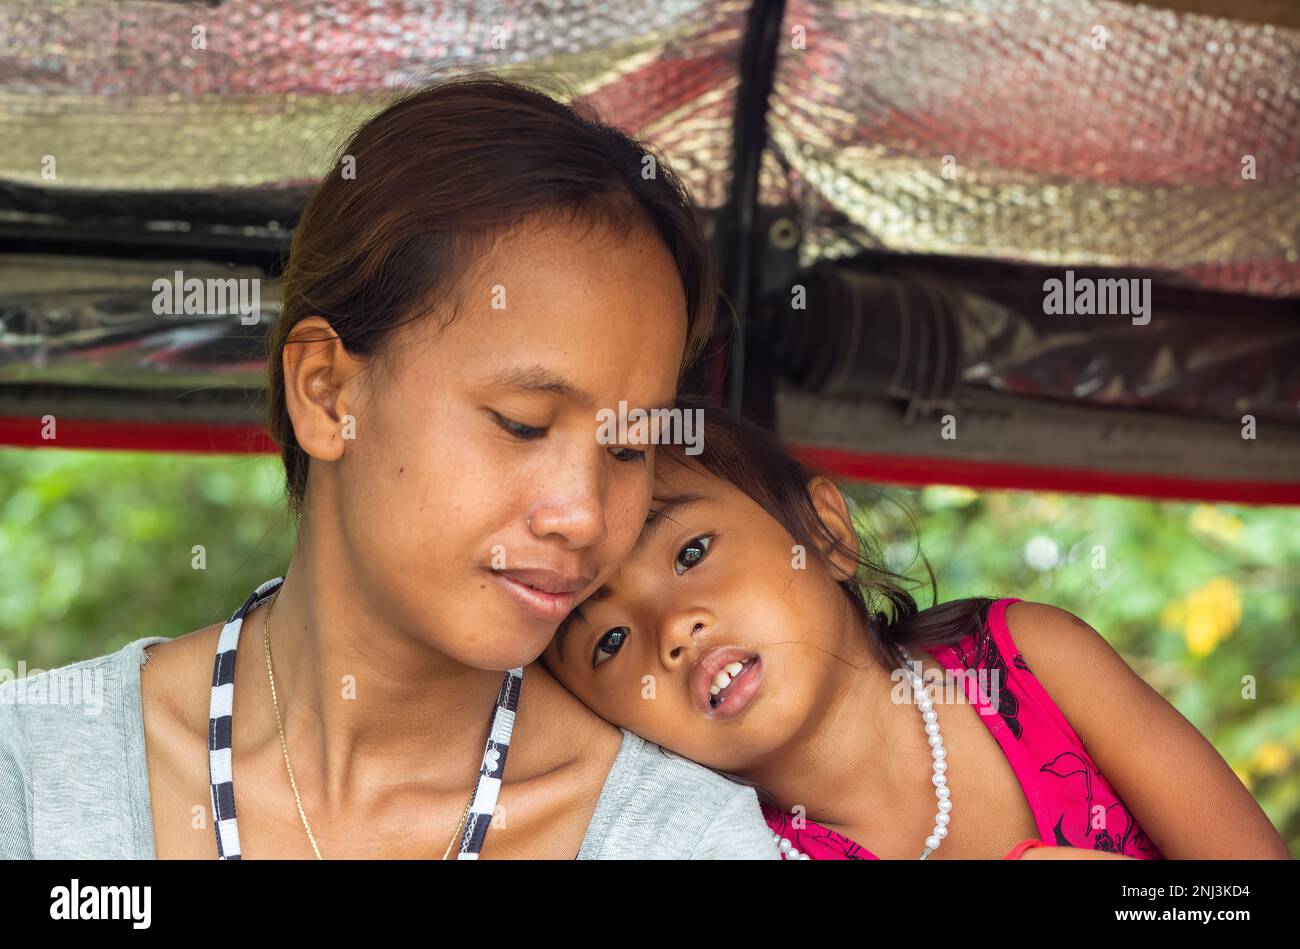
x=537, y=378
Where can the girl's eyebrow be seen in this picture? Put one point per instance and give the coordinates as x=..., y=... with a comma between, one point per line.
x=662, y=516
x=562, y=630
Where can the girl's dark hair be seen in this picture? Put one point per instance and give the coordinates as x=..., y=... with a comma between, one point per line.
x=753, y=459
x=421, y=190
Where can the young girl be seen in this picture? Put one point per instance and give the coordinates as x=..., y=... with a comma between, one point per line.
x=746, y=632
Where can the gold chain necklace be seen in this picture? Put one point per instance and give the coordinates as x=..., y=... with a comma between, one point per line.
x=284, y=746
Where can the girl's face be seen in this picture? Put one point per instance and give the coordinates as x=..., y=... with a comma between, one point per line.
x=714, y=594
x=474, y=495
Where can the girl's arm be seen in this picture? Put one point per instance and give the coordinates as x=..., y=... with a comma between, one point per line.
x=1182, y=793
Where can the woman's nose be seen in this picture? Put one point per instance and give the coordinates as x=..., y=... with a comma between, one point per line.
x=573, y=498
x=578, y=520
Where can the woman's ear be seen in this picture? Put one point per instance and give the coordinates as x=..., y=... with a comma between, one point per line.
x=319, y=386
x=834, y=513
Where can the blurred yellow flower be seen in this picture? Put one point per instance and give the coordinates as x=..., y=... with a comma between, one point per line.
x=1046, y=507
x=1210, y=521
x=1201, y=635
x=1271, y=757
x=947, y=495
x=1208, y=615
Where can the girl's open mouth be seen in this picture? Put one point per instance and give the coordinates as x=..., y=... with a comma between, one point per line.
x=725, y=681
x=729, y=677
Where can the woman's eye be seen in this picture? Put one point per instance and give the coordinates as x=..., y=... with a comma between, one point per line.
x=609, y=644
x=628, y=454
x=519, y=429
x=692, y=553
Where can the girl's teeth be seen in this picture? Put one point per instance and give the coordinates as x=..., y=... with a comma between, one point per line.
x=724, y=677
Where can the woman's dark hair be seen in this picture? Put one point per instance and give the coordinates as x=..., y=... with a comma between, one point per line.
x=421, y=190
x=753, y=459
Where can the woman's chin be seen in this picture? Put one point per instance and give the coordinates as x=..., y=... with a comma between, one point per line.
x=503, y=660
x=496, y=653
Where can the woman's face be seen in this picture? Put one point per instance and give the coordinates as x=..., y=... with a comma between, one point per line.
x=714, y=586
x=475, y=496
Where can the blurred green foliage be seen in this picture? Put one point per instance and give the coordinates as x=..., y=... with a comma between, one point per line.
x=1201, y=600
x=98, y=549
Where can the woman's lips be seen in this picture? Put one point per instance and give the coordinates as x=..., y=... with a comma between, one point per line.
x=738, y=693
x=542, y=604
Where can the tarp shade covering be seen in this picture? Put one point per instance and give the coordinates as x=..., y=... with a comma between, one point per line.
x=996, y=129
x=1028, y=133
x=117, y=93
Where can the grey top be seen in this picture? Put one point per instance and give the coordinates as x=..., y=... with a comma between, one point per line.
x=74, y=783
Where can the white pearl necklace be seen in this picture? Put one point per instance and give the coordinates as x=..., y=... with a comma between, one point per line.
x=939, y=778
x=787, y=849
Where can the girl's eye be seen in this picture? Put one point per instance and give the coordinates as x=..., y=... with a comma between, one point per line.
x=628, y=454
x=519, y=429
x=692, y=553
x=609, y=644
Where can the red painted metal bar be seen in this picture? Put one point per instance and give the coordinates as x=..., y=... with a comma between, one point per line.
x=921, y=470
x=137, y=436
x=836, y=463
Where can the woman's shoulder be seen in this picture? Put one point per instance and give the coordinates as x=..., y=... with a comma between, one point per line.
x=38, y=705
x=657, y=805
x=68, y=739
x=175, y=675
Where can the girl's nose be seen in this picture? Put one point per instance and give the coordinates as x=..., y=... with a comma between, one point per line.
x=679, y=632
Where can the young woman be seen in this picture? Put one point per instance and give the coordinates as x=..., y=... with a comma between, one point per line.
x=748, y=632
x=482, y=272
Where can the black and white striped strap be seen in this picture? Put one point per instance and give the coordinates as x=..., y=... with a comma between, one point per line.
x=221, y=774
